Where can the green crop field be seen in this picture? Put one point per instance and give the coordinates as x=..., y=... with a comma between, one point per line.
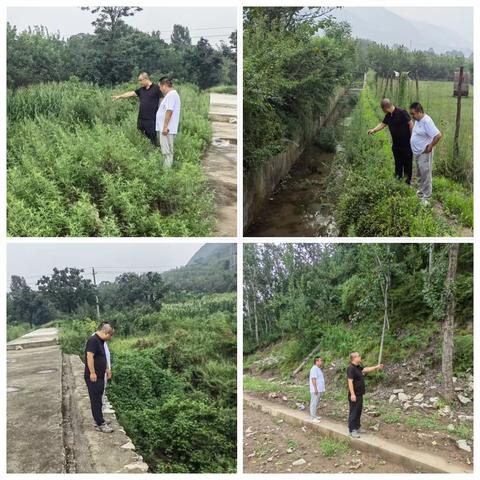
x=77, y=166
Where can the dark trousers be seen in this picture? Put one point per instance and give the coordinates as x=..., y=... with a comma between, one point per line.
x=403, y=162
x=147, y=127
x=95, y=392
x=355, y=413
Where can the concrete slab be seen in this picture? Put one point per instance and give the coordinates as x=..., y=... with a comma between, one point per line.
x=35, y=339
x=34, y=410
x=220, y=161
x=368, y=442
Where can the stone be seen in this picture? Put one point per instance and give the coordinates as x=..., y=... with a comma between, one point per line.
x=465, y=418
x=402, y=397
x=433, y=399
x=406, y=405
x=290, y=450
x=392, y=398
x=284, y=398
x=418, y=397
x=251, y=455
x=300, y=461
x=450, y=427
x=463, y=400
x=454, y=379
x=140, y=466
x=463, y=445
x=272, y=395
x=398, y=390
x=128, y=446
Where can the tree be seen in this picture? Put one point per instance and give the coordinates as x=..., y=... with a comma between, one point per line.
x=180, y=37
x=67, y=289
x=449, y=323
x=25, y=305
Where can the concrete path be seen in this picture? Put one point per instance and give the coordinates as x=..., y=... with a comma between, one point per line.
x=370, y=443
x=49, y=422
x=220, y=162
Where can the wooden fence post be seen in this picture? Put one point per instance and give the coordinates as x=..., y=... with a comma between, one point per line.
x=458, y=117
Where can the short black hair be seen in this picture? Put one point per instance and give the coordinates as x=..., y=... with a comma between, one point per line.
x=165, y=81
x=315, y=359
x=417, y=106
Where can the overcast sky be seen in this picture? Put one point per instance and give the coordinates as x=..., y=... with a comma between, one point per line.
x=213, y=23
x=32, y=260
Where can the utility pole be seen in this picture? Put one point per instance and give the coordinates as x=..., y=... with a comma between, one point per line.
x=96, y=293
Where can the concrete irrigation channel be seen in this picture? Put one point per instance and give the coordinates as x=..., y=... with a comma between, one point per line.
x=49, y=422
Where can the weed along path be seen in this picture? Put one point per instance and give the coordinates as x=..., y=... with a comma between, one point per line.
x=220, y=162
x=49, y=422
x=370, y=453
x=302, y=205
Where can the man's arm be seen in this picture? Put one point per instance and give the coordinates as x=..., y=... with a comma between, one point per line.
x=379, y=127
x=91, y=367
x=435, y=140
x=124, y=95
x=372, y=369
x=315, y=388
x=168, y=116
x=410, y=125
x=353, y=397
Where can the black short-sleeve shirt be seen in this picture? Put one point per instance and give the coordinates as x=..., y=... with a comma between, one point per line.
x=149, y=101
x=96, y=345
x=397, y=122
x=354, y=372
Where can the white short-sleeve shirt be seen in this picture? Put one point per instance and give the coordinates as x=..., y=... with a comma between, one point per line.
x=316, y=372
x=171, y=101
x=423, y=132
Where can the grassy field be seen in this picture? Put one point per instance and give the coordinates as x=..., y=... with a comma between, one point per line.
x=373, y=203
x=77, y=166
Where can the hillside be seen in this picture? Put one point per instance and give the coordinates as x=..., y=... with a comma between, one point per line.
x=212, y=269
x=303, y=300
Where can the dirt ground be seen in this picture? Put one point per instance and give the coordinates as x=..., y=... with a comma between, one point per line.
x=424, y=439
x=272, y=445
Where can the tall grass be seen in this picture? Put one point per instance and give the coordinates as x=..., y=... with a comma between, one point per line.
x=78, y=167
x=371, y=201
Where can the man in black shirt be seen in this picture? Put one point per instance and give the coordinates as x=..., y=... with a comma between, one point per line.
x=400, y=125
x=95, y=367
x=149, y=95
x=356, y=390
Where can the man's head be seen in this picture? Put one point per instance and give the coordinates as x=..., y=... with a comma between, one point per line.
x=105, y=331
x=387, y=106
x=165, y=85
x=144, y=79
x=355, y=358
x=416, y=110
x=318, y=361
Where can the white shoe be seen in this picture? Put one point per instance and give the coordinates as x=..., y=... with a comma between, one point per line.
x=315, y=419
x=108, y=410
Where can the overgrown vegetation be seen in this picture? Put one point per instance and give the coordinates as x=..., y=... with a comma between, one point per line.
x=78, y=167
x=298, y=296
x=372, y=202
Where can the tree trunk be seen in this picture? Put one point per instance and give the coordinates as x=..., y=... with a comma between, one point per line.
x=417, y=99
x=449, y=323
x=305, y=360
x=255, y=303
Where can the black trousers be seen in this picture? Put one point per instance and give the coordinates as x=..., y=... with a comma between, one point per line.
x=403, y=162
x=95, y=392
x=147, y=127
x=355, y=413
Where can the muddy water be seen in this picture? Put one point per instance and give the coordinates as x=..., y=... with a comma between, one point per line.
x=301, y=205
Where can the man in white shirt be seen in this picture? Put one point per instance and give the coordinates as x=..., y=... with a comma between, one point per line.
x=317, y=387
x=425, y=135
x=168, y=118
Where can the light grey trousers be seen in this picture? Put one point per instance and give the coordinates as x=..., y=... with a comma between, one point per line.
x=314, y=399
x=424, y=173
x=166, y=145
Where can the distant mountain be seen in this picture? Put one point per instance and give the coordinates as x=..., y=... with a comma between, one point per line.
x=213, y=253
x=384, y=26
x=212, y=269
